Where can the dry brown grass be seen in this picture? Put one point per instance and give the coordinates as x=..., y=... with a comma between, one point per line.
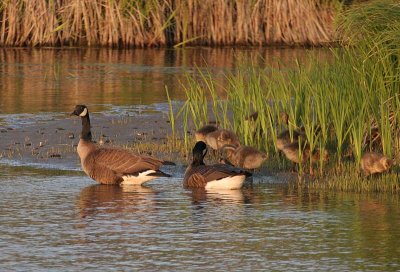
x=134, y=23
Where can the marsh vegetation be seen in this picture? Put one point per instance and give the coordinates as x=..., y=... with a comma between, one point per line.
x=124, y=23
x=346, y=106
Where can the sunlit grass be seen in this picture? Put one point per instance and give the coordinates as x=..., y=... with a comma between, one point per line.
x=345, y=99
x=137, y=23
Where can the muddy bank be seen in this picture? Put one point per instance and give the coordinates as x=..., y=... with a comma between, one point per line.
x=51, y=139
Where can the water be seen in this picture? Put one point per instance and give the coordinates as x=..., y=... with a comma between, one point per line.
x=54, y=80
x=53, y=217
x=69, y=223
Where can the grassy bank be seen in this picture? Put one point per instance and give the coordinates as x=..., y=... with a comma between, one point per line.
x=353, y=99
x=136, y=23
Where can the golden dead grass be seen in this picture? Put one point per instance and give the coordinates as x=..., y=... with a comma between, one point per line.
x=135, y=23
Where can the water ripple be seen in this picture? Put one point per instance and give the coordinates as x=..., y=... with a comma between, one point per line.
x=69, y=223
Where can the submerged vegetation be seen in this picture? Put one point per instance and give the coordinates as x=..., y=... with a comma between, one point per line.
x=137, y=23
x=347, y=106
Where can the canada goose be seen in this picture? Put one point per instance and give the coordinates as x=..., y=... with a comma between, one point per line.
x=111, y=165
x=202, y=132
x=298, y=134
x=216, y=176
x=372, y=163
x=292, y=152
x=246, y=157
x=221, y=137
x=284, y=138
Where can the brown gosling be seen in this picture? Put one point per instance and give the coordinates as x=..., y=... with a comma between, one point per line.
x=246, y=157
x=291, y=152
x=112, y=165
x=202, y=132
x=373, y=163
x=217, y=139
x=284, y=139
x=216, y=176
x=249, y=122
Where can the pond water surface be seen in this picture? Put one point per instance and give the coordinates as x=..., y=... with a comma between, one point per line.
x=55, y=218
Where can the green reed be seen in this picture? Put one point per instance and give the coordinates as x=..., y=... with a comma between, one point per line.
x=171, y=116
x=337, y=103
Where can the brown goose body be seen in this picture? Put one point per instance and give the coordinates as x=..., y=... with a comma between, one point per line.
x=373, y=163
x=217, y=139
x=217, y=176
x=112, y=165
x=202, y=132
x=246, y=157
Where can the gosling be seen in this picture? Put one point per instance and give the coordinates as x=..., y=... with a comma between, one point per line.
x=246, y=157
x=202, y=132
x=217, y=139
x=373, y=163
x=292, y=152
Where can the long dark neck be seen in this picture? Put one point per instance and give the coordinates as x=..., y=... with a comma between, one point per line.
x=197, y=160
x=86, y=134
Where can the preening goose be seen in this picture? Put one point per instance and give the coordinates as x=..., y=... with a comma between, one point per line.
x=246, y=157
x=372, y=163
x=216, y=176
x=111, y=165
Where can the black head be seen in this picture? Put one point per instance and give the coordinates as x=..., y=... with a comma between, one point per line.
x=199, y=151
x=80, y=110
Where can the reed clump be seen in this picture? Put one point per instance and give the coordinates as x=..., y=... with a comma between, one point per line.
x=134, y=23
x=347, y=106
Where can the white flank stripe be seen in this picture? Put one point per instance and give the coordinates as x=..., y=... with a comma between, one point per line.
x=230, y=183
x=139, y=179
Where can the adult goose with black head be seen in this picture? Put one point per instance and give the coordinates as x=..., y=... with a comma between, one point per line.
x=113, y=165
x=216, y=176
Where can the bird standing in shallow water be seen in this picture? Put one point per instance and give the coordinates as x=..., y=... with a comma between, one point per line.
x=216, y=176
x=112, y=165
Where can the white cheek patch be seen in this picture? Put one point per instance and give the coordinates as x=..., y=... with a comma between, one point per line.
x=84, y=112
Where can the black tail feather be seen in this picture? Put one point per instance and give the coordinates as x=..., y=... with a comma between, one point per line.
x=168, y=163
x=248, y=174
x=159, y=173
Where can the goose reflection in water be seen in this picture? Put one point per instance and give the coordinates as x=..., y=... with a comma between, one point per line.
x=109, y=199
x=201, y=195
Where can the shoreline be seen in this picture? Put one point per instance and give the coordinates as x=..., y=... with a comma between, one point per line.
x=53, y=140
x=50, y=144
